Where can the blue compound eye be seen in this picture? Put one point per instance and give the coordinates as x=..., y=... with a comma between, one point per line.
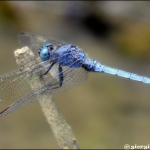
x=49, y=46
x=44, y=53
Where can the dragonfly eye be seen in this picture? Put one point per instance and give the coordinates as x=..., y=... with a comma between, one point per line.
x=49, y=46
x=44, y=53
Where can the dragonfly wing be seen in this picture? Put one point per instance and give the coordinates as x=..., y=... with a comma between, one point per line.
x=15, y=85
x=20, y=103
x=34, y=42
x=72, y=77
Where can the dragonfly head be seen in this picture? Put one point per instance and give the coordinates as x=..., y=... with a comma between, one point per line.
x=44, y=51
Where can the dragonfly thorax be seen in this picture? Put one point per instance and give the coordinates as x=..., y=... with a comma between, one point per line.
x=70, y=55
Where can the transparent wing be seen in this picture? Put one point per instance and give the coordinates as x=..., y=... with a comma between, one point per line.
x=34, y=42
x=72, y=77
x=15, y=85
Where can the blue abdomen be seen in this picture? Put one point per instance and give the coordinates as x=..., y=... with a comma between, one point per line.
x=92, y=65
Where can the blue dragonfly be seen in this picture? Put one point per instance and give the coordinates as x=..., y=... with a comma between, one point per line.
x=61, y=65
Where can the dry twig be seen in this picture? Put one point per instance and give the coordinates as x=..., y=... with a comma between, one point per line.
x=62, y=131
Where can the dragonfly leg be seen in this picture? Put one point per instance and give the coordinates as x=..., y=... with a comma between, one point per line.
x=61, y=78
x=48, y=69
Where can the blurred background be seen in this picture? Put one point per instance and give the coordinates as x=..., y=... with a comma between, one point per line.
x=106, y=111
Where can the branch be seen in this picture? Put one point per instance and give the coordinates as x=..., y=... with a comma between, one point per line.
x=62, y=131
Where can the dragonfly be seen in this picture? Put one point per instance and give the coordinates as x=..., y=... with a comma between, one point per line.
x=61, y=65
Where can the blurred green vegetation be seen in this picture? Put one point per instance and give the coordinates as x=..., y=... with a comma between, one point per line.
x=106, y=111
